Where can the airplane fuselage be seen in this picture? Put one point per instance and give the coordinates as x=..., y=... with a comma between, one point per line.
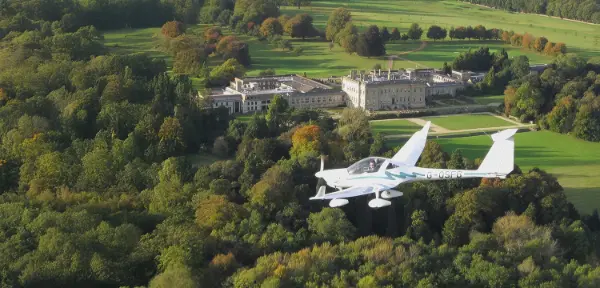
x=340, y=178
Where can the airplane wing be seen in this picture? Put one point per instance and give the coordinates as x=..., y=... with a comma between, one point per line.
x=355, y=191
x=411, y=151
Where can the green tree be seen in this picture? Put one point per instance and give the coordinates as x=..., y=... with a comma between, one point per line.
x=270, y=27
x=338, y=20
x=222, y=74
x=378, y=145
x=395, y=36
x=436, y=32
x=587, y=123
x=348, y=38
x=257, y=128
x=179, y=275
x=330, y=225
x=170, y=137
x=479, y=32
x=97, y=171
x=415, y=31
x=300, y=26
x=385, y=34
x=540, y=44
x=562, y=116
x=277, y=114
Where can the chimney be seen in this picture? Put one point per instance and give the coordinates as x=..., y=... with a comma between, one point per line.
x=379, y=72
x=389, y=73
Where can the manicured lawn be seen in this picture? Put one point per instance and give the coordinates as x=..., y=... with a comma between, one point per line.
x=469, y=121
x=392, y=127
x=135, y=41
x=245, y=117
x=489, y=99
x=574, y=162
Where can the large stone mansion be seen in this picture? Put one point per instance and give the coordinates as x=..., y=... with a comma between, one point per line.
x=398, y=89
x=250, y=94
x=375, y=90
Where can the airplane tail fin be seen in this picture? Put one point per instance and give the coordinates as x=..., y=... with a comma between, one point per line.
x=501, y=157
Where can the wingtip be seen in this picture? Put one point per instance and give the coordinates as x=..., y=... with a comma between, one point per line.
x=426, y=126
x=504, y=134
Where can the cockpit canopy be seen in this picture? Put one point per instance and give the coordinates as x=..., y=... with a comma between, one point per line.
x=367, y=165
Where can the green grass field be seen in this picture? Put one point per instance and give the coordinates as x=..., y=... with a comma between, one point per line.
x=318, y=61
x=135, y=41
x=574, y=162
x=470, y=121
x=581, y=38
x=396, y=126
x=489, y=99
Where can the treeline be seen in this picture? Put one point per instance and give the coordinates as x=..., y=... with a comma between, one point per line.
x=191, y=53
x=536, y=44
x=262, y=19
x=583, y=10
x=501, y=69
x=564, y=98
x=259, y=18
x=69, y=15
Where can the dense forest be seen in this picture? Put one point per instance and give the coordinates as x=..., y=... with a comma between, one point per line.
x=583, y=10
x=564, y=98
x=103, y=182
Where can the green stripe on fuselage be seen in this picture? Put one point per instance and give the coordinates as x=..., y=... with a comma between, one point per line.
x=391, y=176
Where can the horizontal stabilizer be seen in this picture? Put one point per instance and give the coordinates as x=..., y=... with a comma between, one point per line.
x=501, y=157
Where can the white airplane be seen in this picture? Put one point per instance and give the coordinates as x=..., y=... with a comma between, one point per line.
x=378, y=174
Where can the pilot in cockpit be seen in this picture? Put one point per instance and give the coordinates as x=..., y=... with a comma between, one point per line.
x=371, y=166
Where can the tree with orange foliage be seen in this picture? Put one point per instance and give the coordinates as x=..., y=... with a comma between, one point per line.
x=527, y=41
x=560, y=48
x=506, y=37
x=172, y=29
x=306, y=139
x=549, y=49
x=221, y=266
x=271, y=27
x=231, y=47
x=516, y=39
x=212, y=35
x=3, y=96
